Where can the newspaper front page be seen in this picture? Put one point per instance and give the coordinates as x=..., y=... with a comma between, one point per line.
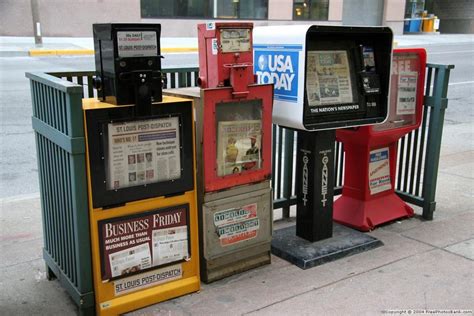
x=328, y=79
x=238, y=146
x=130, y=260
x=142, y=152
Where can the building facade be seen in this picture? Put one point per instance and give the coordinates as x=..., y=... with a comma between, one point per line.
x=179, y=17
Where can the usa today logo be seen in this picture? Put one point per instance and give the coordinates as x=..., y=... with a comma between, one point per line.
x=279, y=68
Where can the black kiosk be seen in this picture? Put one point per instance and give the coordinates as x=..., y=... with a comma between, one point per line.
x=325, y=77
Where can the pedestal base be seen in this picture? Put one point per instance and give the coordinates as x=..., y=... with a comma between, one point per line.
x=305, y=254
x=365, y=215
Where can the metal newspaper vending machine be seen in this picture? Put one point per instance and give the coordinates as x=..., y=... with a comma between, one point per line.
x=141, y=166
x=325, y=78
x=233, y=127
x=368, y=195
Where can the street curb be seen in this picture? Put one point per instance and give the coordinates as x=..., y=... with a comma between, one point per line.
x=55, y=52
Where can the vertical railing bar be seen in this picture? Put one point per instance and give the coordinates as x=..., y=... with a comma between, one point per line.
x=64, y=113
x=54, y=228
x=336, y=164
x=400, y=162
x=81, y=83
x=414, y=161
x=57, y=206
x=341, y=165
x=280, y=152
x=274, y=150
x=188, y=79
x=90, y=87
x=62, y=208
x=288, y=171
x=407, y=163
x=54, y=95
x=44, y=105
x=72, y=273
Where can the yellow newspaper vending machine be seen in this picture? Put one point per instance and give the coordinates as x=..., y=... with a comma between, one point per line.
x=141, y=184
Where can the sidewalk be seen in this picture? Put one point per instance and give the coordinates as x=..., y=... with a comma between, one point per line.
x=422, y=265
x=25, y=46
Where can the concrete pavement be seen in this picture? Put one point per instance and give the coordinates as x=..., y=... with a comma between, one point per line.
x=423, y=265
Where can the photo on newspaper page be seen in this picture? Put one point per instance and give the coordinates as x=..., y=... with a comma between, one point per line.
x=238, y=146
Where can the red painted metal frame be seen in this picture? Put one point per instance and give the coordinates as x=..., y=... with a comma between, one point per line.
x=357, y=207
x=210, y=98
x=214, y=68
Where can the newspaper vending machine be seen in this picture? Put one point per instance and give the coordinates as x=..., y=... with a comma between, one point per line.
x=368, y=195
x=233, y=127
x=141, y=166
x=325, y=78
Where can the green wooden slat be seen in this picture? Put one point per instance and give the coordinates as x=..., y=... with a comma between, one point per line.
x=81, y=221
x=414, y=161
x=73, y=145
x=74, y=115
x=63, y=210
x=54, y=82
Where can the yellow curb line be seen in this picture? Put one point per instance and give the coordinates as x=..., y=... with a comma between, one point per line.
x=53, y=52
x=178, y=49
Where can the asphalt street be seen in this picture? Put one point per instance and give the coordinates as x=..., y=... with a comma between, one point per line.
x=18, y=169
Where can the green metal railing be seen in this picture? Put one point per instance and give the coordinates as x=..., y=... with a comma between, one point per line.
x=60, y=146
x=59, y=130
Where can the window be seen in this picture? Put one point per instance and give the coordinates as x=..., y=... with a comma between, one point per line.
x=176, y=8
x=204, y=9
x=310, y=10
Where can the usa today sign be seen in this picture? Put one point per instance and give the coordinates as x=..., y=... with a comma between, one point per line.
x=279, y=65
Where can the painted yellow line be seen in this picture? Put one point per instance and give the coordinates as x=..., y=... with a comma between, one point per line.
x=179, y=49
x=54, y=52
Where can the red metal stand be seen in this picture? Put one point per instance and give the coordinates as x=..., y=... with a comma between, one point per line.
x=369, y=200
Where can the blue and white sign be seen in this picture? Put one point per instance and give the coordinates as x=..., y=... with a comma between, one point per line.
x=379, y=171
x=278, y=64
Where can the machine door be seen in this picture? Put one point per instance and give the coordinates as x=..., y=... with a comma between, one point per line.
x=406, y=90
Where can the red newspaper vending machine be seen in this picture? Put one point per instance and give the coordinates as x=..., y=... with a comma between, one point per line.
x=233, y=126
x=368, y=196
